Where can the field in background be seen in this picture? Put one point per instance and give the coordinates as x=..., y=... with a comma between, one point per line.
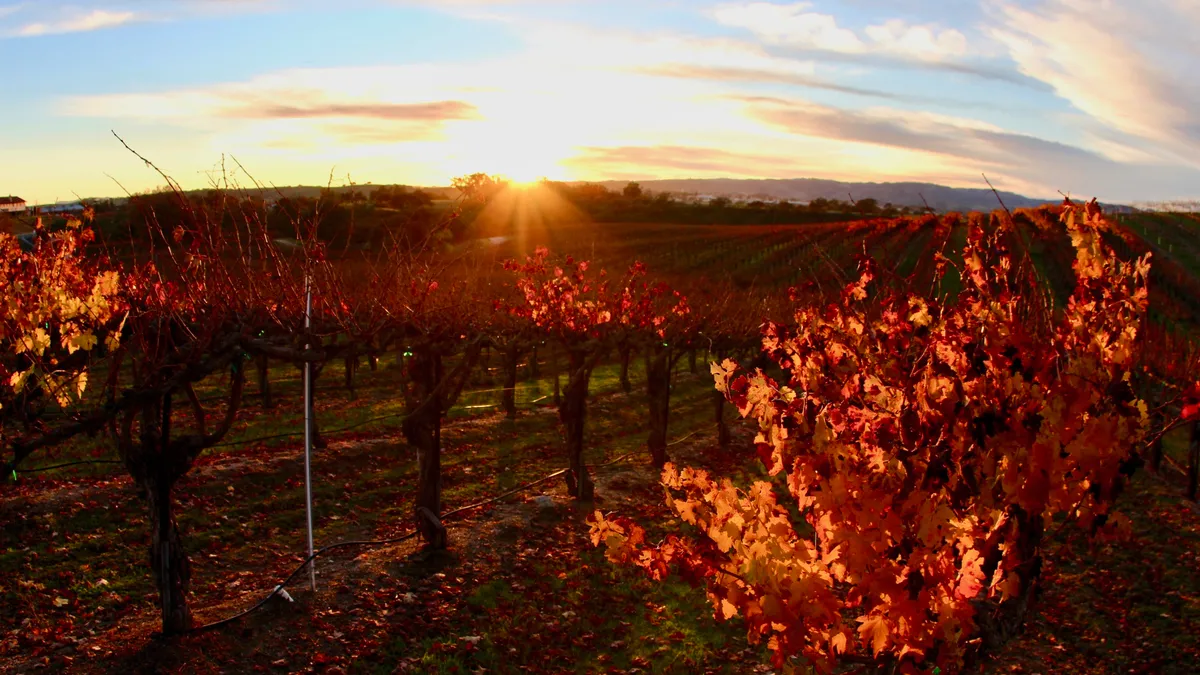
x=522, y=584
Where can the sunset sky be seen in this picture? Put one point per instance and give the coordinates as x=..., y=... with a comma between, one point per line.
x=1090, y=97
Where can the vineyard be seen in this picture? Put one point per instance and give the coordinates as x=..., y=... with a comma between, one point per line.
x=941, y=443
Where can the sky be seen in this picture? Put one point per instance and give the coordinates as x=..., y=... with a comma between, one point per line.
x=1087, y=97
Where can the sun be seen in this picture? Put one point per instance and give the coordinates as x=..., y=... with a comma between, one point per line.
x=524, y=178
x=513, y=143
x=523, y=164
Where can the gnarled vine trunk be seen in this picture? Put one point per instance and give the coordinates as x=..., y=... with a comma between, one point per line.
x=554, y=367
x=156, y=468
x=723, y=437
x=168, y=558
x=510, y=359
x=999, y=623
x=351, y=362
x=1193, y=470
x=533, y=363
x=658, y=396
x=423, y=430
x=573, y=412
x=264, y=381
x=625, y=351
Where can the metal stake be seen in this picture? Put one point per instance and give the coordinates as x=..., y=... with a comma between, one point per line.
x=312, y=564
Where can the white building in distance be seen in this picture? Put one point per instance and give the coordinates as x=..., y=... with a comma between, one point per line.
x=12, y=205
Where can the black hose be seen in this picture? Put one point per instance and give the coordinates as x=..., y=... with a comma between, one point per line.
x=66, y=464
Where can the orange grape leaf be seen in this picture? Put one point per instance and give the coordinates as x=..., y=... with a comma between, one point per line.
x=874, y=631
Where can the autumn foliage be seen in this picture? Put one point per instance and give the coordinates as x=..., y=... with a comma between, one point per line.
x=919, y=448
x=59, y=303
x=585, y=313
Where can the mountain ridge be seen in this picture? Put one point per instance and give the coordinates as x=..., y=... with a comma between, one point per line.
x=907, y=193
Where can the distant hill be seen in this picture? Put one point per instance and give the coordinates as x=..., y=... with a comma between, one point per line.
x=911, y=194
x=939, y=197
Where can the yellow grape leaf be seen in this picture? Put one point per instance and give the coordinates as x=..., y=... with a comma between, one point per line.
x=106, y=284
x=838, y=643
x=874, y=631
x=17, y=380
x=920, y=315
x=85, y=341
x=35, y=343
x=721, y=373
x=728, y=610
x=721, y=538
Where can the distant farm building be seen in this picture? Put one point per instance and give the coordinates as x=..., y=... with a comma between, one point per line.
x=12, y=205
x=62, y=207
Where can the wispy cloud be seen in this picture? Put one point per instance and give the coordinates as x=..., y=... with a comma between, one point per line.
x=6, y=10
x=1128, y=67
x=719, y=74
x=623, y=161
x=77, y=23
x=1038, y=164
x=795, y=25
x=408, y=112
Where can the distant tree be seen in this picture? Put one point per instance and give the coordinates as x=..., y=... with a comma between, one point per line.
x=720, y=202
x=478, y=188
x=868, y=206
x=819, y=204
x=632, y=191
x=592, y=192
x=401, y=198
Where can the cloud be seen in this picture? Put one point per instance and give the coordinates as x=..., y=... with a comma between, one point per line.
x=921, y=42
x=721, y=74
x=289, y=95
x=1039, y=165
x=794, y=25
x=754, y=76
x=672, y=159
x=890, y=44
x=1127, y=67
x=6, y=10
x=435, y=111
x=94, y=20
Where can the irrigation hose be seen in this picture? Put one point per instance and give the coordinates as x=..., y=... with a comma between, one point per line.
x=67, y=464
x=382, y=542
